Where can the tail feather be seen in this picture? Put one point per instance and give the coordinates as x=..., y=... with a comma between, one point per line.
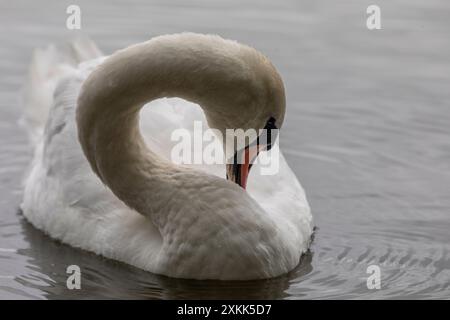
x=48, y=66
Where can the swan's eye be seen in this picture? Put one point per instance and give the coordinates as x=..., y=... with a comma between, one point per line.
x=270, y=124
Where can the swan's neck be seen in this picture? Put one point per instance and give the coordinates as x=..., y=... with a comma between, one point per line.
x=111, y=97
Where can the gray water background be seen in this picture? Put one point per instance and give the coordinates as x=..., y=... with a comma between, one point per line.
x=367, y=132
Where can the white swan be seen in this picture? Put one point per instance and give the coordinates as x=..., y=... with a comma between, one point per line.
x=95, y=184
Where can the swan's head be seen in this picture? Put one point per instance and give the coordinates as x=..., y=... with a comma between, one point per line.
x=244, y=95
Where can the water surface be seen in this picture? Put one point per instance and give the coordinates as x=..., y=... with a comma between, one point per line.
x=367, y=132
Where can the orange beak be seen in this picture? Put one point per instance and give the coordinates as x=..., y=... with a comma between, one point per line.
x=243, y=159
x=238, y=171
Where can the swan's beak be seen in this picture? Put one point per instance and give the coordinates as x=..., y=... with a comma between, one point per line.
x=238, y=171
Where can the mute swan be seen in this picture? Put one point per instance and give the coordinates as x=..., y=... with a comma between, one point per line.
x=101, y=181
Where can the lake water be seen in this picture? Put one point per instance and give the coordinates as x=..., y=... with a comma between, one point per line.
x=367, y=132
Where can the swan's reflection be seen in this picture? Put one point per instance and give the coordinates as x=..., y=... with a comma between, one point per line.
x=104, y=278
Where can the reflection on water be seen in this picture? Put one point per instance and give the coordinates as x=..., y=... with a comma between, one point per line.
x=367, y=132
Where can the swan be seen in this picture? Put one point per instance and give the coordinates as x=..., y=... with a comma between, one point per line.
x=101, y=180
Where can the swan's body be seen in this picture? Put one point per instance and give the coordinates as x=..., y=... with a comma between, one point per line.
x=96, y=185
